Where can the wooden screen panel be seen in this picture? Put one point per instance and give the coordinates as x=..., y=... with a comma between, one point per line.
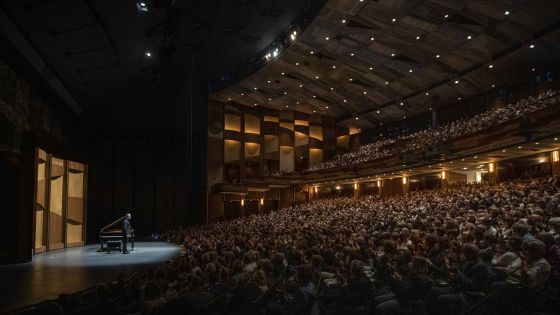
x=75, y=206
x=56, y=204
x=40, y=202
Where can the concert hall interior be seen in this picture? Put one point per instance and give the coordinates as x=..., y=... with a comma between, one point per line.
x=280, y=157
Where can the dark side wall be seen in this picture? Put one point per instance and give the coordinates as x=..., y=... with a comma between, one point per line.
x=30, y=117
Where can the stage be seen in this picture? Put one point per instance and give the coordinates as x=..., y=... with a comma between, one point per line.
x=74, y=269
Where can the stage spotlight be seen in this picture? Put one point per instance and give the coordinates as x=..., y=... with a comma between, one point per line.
x=142, y=6
x=293, y=35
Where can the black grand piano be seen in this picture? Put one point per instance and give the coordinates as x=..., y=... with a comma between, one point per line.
x=111, y=236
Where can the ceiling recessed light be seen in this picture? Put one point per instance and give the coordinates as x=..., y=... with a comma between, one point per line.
x=327, y=38
x=428, y=93
x=532, y=46
x=148, y=54
x=372, y=38
x=456, y=82
x=332, y=88
x=402, y=103
x=458, y=98
x=326, y=107
x=352, y=54
x=465, y=168
x=437, y=56
x=269, y=99
x=350, y=79
x=312, y=52
x=314, y=111
x=282, y=73
x=287, y=106
x=533, y=69
x=469, y=37
x=370, y=68
x=229, y=99
x=365, y=92
x=504, y=150
x=357, y=118
x=285, y=93
x=378, y=111
x=255, y=88
x=490, y=66
x=386, y=82
x=334, y=67
x=417, y=37
x=344, y=101
x=316, y=77
x=242, y=94
x=393, y=20
x=506, y=13
x=519, y=147
x=493, y=85
x=268, y=81
x=410, y=70
x=343, y=20
x=446, y=16
x=393, y=55
x=301, y=85
x=314, y=96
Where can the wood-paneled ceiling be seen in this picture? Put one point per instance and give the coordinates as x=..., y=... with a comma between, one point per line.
x=381, y=61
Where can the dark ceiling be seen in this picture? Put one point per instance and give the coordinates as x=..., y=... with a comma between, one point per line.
x=98, y=47
x=385, y=60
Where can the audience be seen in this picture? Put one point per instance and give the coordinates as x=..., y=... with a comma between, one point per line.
x=421, y=139
x=432, y=251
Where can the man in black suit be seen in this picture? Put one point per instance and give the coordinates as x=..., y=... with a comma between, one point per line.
x=127, y=231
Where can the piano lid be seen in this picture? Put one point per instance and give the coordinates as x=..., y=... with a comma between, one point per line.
x=115, y=224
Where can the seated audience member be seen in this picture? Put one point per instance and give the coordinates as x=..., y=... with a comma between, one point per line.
x=535, y=270
x=410, y=292
x=471, y=281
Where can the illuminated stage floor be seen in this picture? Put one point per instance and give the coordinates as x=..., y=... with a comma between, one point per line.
x=74, y=269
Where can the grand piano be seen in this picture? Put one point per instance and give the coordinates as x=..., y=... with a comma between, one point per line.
x=111, y=236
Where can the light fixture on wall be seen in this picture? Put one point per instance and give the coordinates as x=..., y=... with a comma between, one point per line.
x=404, y=180
x=355, y=186
x=262, y=201
x=555, y=156
x=491, y=167
x=242, y=201
x=443, y=175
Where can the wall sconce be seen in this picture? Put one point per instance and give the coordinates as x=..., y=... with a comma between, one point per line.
x=337, y=187
x=316, y=189
x=404, y=180
x=242, y=201
x=379, y=183
x=443, y=175
x=555, y=156
x=262, y=201
x=355, y=186
x=491, y=167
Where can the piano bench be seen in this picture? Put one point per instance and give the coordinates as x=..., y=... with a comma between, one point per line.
x=113, y=244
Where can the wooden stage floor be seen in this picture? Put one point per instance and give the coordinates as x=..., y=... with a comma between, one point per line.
x=74, y=269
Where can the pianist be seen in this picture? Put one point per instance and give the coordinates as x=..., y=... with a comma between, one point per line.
x=127, y=231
